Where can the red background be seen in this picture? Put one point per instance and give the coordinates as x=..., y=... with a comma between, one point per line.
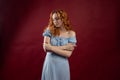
x=96, y=23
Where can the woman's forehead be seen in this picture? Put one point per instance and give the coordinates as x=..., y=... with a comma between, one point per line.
x=55, y=15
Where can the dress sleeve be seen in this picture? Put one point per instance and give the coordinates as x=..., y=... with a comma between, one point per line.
x=47, y=33
x=72, y=40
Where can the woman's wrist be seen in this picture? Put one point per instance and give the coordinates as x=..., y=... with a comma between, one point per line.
x=62, y=47
x=51, y=47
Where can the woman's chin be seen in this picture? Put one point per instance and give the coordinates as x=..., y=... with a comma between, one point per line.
x=57, y=27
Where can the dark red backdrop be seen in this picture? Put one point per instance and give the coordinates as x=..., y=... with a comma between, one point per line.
x=96, y=23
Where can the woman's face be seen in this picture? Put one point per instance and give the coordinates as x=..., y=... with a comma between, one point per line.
x=56, y=20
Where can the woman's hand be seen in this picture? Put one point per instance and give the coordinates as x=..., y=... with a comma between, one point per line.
x=47, y=46
x=70, y=46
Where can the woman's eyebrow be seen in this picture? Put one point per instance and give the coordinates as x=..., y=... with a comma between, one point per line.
x=56, y=18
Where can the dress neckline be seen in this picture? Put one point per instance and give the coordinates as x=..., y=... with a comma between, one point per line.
x=65, y=37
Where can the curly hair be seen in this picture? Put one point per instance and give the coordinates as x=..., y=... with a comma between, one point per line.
x=64, y=17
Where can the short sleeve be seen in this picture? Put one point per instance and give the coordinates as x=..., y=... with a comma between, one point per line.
x=47, y=33
x=72, y=40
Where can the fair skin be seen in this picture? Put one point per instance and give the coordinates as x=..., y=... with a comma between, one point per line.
x=65, y=50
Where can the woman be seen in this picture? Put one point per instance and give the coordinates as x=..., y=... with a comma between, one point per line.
x=59, y=43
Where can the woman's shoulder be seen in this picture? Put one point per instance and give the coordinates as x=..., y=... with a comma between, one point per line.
x=47, y=32
x=72, y=33
x=47, y=28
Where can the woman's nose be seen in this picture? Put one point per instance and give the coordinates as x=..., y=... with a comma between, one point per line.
x=55, y=21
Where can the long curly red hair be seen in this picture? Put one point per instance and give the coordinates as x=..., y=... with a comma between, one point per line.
x=64, y=17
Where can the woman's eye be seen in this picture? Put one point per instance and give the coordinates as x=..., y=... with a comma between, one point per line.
x=57, y=18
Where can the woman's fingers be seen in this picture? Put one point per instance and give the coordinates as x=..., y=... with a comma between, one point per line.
x=70, y=46
x=47, y=46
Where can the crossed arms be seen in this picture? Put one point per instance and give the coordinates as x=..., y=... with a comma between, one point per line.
x=65, y=50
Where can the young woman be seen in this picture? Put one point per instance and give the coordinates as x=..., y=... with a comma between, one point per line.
x=59, y=43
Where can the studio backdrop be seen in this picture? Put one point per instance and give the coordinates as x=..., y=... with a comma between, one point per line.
x=95, y=22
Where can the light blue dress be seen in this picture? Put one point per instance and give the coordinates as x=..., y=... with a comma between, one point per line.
x=56, y=67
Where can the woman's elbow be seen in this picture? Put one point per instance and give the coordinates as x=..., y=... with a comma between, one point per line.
x=69, y=54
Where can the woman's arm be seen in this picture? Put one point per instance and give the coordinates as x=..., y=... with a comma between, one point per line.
x=68, y=46
x=46, y=41
x=57, y=50
x=65, y=50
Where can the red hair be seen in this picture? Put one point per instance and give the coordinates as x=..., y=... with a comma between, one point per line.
x=64, y=17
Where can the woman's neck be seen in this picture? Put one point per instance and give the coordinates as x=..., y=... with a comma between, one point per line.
x=62, y=29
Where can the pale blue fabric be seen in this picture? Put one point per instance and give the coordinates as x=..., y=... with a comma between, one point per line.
x=56, y=67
